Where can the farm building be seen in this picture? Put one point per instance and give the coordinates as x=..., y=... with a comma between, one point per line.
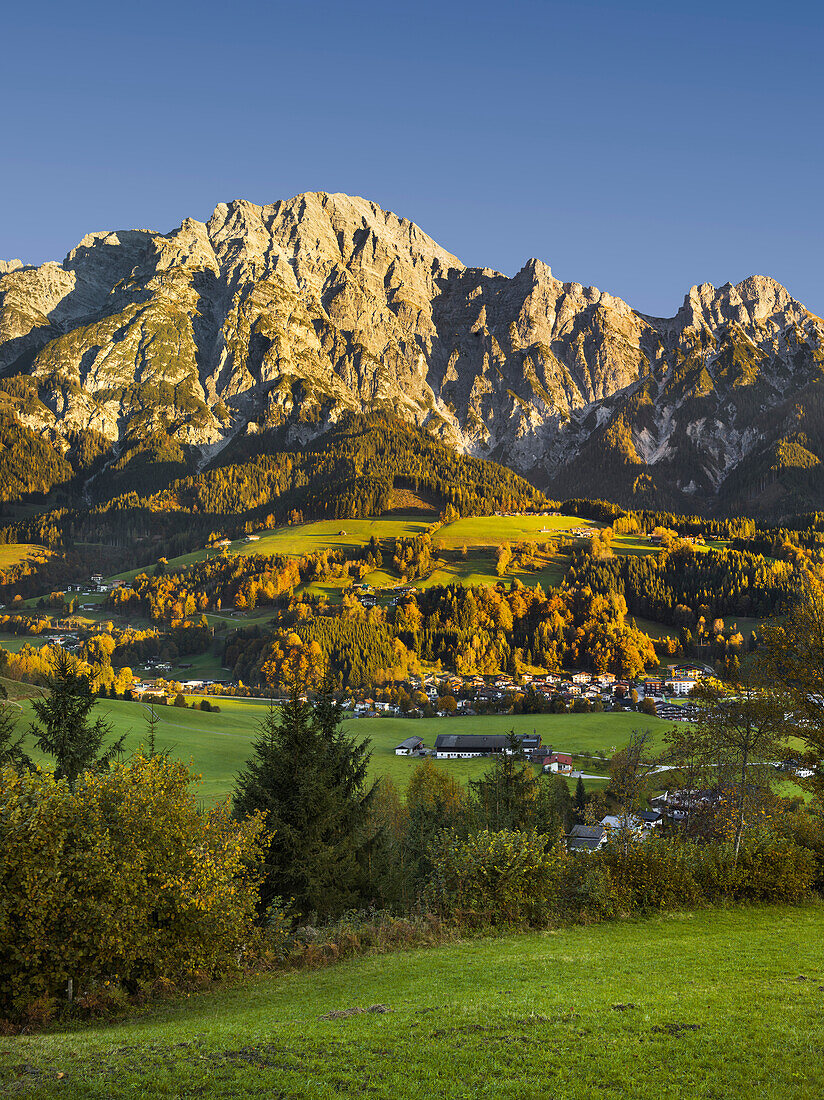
x=460, y=746
x=409, y=747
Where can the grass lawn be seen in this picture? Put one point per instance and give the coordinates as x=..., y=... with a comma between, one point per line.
x=218, y=745
x=657, y=630
x=15, y=642
x=633, y=546
x=15, y=690
x=712, y=1005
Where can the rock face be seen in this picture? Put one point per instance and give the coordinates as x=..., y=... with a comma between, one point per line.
x=284, y=316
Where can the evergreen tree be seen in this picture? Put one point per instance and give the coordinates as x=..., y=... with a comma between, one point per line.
x=309, y=779
x=11, y=748
x=152, y=722
x=580, y=800
x=506, y=797
x=64, y=730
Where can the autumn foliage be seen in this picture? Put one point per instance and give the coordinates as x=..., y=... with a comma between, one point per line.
x=123, y=879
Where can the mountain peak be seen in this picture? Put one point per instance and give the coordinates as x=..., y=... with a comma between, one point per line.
x=284, y=317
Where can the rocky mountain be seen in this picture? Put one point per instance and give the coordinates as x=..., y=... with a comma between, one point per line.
x=146, y=350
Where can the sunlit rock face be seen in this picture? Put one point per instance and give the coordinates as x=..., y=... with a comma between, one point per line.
x=285, y=316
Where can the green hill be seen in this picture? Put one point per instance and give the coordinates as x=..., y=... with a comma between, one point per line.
x=714, y=1004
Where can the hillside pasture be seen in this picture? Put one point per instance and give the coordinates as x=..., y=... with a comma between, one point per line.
x=486, y=531
x=699, y=1005
x=14, y=553
x=306, y=538
x=218, y=745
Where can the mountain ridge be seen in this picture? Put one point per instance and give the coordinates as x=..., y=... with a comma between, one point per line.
x=280, y=318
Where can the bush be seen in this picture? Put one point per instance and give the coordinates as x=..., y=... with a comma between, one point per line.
x=359, y=932
x=662, y=873
x=507, y=877
x=768, y=868
x=513, y=878
x=122, y=879
x=651, y=874
x=806, y=828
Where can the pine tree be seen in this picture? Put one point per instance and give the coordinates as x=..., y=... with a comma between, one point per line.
x=310, y=781
x=64, y=730
x=152, y=722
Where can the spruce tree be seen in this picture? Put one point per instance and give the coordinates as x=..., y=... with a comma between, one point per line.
x=506, y=797
x=309, y=779
x=64, y=730
x=152, y=722
x=11, y=747
x=580, y=800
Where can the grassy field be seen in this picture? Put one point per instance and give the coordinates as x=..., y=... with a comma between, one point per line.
x=13, y=553
x=478, y=531
x=15, y=642
x=712, y=1005
x=308, y=538
x=218, y=745
x=16, y=690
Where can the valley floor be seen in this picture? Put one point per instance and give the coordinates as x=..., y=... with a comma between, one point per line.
x=715, y=1004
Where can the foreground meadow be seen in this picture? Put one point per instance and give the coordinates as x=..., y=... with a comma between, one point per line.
x=713, y=1004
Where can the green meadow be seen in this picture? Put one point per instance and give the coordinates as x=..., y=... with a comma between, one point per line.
x=218, y=745
x=13, y=553
x=705, y=1005
x=480, y=534
x=485, y=531
x=307, y=538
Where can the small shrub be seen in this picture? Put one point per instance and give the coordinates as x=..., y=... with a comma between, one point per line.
x=656, y=873
x=42, y=1010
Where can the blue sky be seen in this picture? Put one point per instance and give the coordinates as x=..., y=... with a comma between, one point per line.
x=640, y=147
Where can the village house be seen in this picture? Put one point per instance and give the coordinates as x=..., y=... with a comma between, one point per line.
x=585, y=838
x=681, y=685
x=679, y=804
x=653, y=687
x=559, y=763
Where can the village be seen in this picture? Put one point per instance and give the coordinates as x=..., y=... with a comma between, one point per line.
x=447, y=694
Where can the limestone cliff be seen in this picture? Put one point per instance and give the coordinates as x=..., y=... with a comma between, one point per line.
x=284, y=316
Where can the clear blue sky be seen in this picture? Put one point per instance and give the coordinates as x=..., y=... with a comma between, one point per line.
x=640, y=147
